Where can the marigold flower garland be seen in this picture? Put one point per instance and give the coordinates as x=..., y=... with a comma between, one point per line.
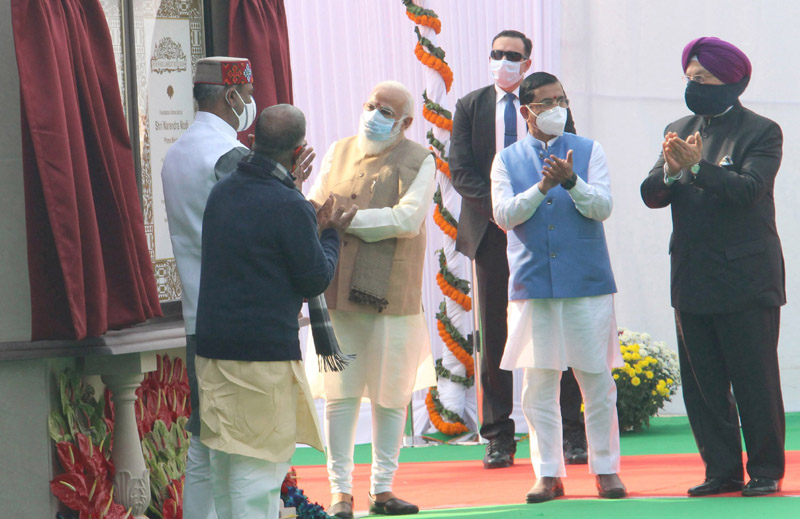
x=426, y=51
x=436, y=410
x=442, y=216
x=454, y=341
x=433, y=57
x=443, y=372
x=424, y=17
x=436, y=115
x=454, y=288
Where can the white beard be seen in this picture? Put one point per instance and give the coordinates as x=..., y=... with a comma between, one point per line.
x=372, y=148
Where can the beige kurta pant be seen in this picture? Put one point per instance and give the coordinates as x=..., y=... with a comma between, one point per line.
x=256, y=409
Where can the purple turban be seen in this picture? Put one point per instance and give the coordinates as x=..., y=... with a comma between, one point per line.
x=723, y=59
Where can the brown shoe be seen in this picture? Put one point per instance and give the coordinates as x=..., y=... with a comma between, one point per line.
x=342, y=509
x=609, y=486
x=546, y=489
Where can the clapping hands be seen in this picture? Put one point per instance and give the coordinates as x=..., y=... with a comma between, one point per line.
x=680, y=154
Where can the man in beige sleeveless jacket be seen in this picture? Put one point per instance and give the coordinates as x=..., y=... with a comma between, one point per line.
x=375, y=298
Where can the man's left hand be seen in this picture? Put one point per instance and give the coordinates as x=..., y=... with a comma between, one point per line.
x=558, y=170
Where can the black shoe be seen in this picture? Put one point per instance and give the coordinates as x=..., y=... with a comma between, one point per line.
x=546, y=489
x=712, y=486
x=575, y=449
x=393, y=506
x=758, y=486
x=500, y=453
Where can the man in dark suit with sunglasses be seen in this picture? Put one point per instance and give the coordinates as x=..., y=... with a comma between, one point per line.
x=486, y=121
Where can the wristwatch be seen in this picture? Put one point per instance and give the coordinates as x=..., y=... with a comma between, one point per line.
x=694, y=169
x=570, y=182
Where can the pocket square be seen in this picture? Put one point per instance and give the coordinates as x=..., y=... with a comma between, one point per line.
x=726, y=161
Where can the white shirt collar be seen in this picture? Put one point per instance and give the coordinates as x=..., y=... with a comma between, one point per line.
x=216, y=121
x=501, y=94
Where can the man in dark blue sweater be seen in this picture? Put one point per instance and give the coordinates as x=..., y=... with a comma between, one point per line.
x=262, y=255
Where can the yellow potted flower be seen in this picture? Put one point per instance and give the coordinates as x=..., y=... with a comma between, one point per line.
x=649, y=377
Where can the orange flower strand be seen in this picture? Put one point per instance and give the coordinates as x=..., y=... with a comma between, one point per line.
x=437, y=119
x=443, y=166
x=448, y=428
x=453, y=293
x=456, y=349
x=433, y=62
x=443, y=224
x=426, y=21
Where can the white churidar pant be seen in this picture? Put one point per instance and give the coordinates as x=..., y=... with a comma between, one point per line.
x=246, y=487
x=341, y=419
x=198, y=496
x=540, y=403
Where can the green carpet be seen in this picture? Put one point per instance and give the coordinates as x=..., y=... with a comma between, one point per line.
x=666, y=435
x=683, y=508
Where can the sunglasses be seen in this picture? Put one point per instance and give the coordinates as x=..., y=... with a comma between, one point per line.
x=510, y=55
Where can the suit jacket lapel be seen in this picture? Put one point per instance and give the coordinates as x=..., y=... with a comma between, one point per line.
x=485, y=119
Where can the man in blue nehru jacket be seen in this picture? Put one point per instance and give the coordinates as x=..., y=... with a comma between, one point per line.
x=550, y=192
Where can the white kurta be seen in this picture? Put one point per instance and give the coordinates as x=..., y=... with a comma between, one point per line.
x=393, y=352
x=558, y=333
x=188, y=176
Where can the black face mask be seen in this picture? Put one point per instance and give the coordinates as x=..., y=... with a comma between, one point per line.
x=713, y=99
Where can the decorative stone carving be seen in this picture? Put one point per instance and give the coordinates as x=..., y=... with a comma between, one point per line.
x=132, y=491
x=132, y=479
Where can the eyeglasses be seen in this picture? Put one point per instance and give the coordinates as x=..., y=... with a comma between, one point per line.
x=384, y=110
x=510, y=55
x=698, y=78
x=547, y=104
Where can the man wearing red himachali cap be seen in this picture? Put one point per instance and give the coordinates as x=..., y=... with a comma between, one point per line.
x=223, y=88
x=717, y=171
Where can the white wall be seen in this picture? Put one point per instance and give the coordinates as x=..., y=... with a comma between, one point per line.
x=621, y=67
x=15, y=310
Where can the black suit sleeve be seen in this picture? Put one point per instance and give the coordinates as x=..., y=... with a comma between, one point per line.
x=474, y=188
x=748, y=182
x=655, y=193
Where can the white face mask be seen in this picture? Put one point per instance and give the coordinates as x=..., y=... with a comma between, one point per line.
x=552, y=121
x=248, y=114
x=505, y=73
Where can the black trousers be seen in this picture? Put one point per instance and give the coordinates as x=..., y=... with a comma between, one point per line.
x=571, y=400
x=739, y=350
x=491, y=267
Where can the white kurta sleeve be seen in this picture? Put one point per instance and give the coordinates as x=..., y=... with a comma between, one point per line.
x=511, y=210
x=320, y=189
x=593, y=198
x=404, y=219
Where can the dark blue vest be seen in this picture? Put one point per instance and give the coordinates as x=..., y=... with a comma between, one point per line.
x=558, y=252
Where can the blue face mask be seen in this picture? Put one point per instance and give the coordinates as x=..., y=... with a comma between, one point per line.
x=378, y=127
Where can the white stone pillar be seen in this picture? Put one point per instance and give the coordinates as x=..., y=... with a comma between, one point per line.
x=123, y=374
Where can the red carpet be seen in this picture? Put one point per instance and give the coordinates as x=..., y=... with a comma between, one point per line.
x=455, y=484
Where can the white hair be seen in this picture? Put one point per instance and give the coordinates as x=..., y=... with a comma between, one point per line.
x=408, y=107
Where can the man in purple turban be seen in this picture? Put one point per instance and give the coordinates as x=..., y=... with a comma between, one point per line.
x=717, y=171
